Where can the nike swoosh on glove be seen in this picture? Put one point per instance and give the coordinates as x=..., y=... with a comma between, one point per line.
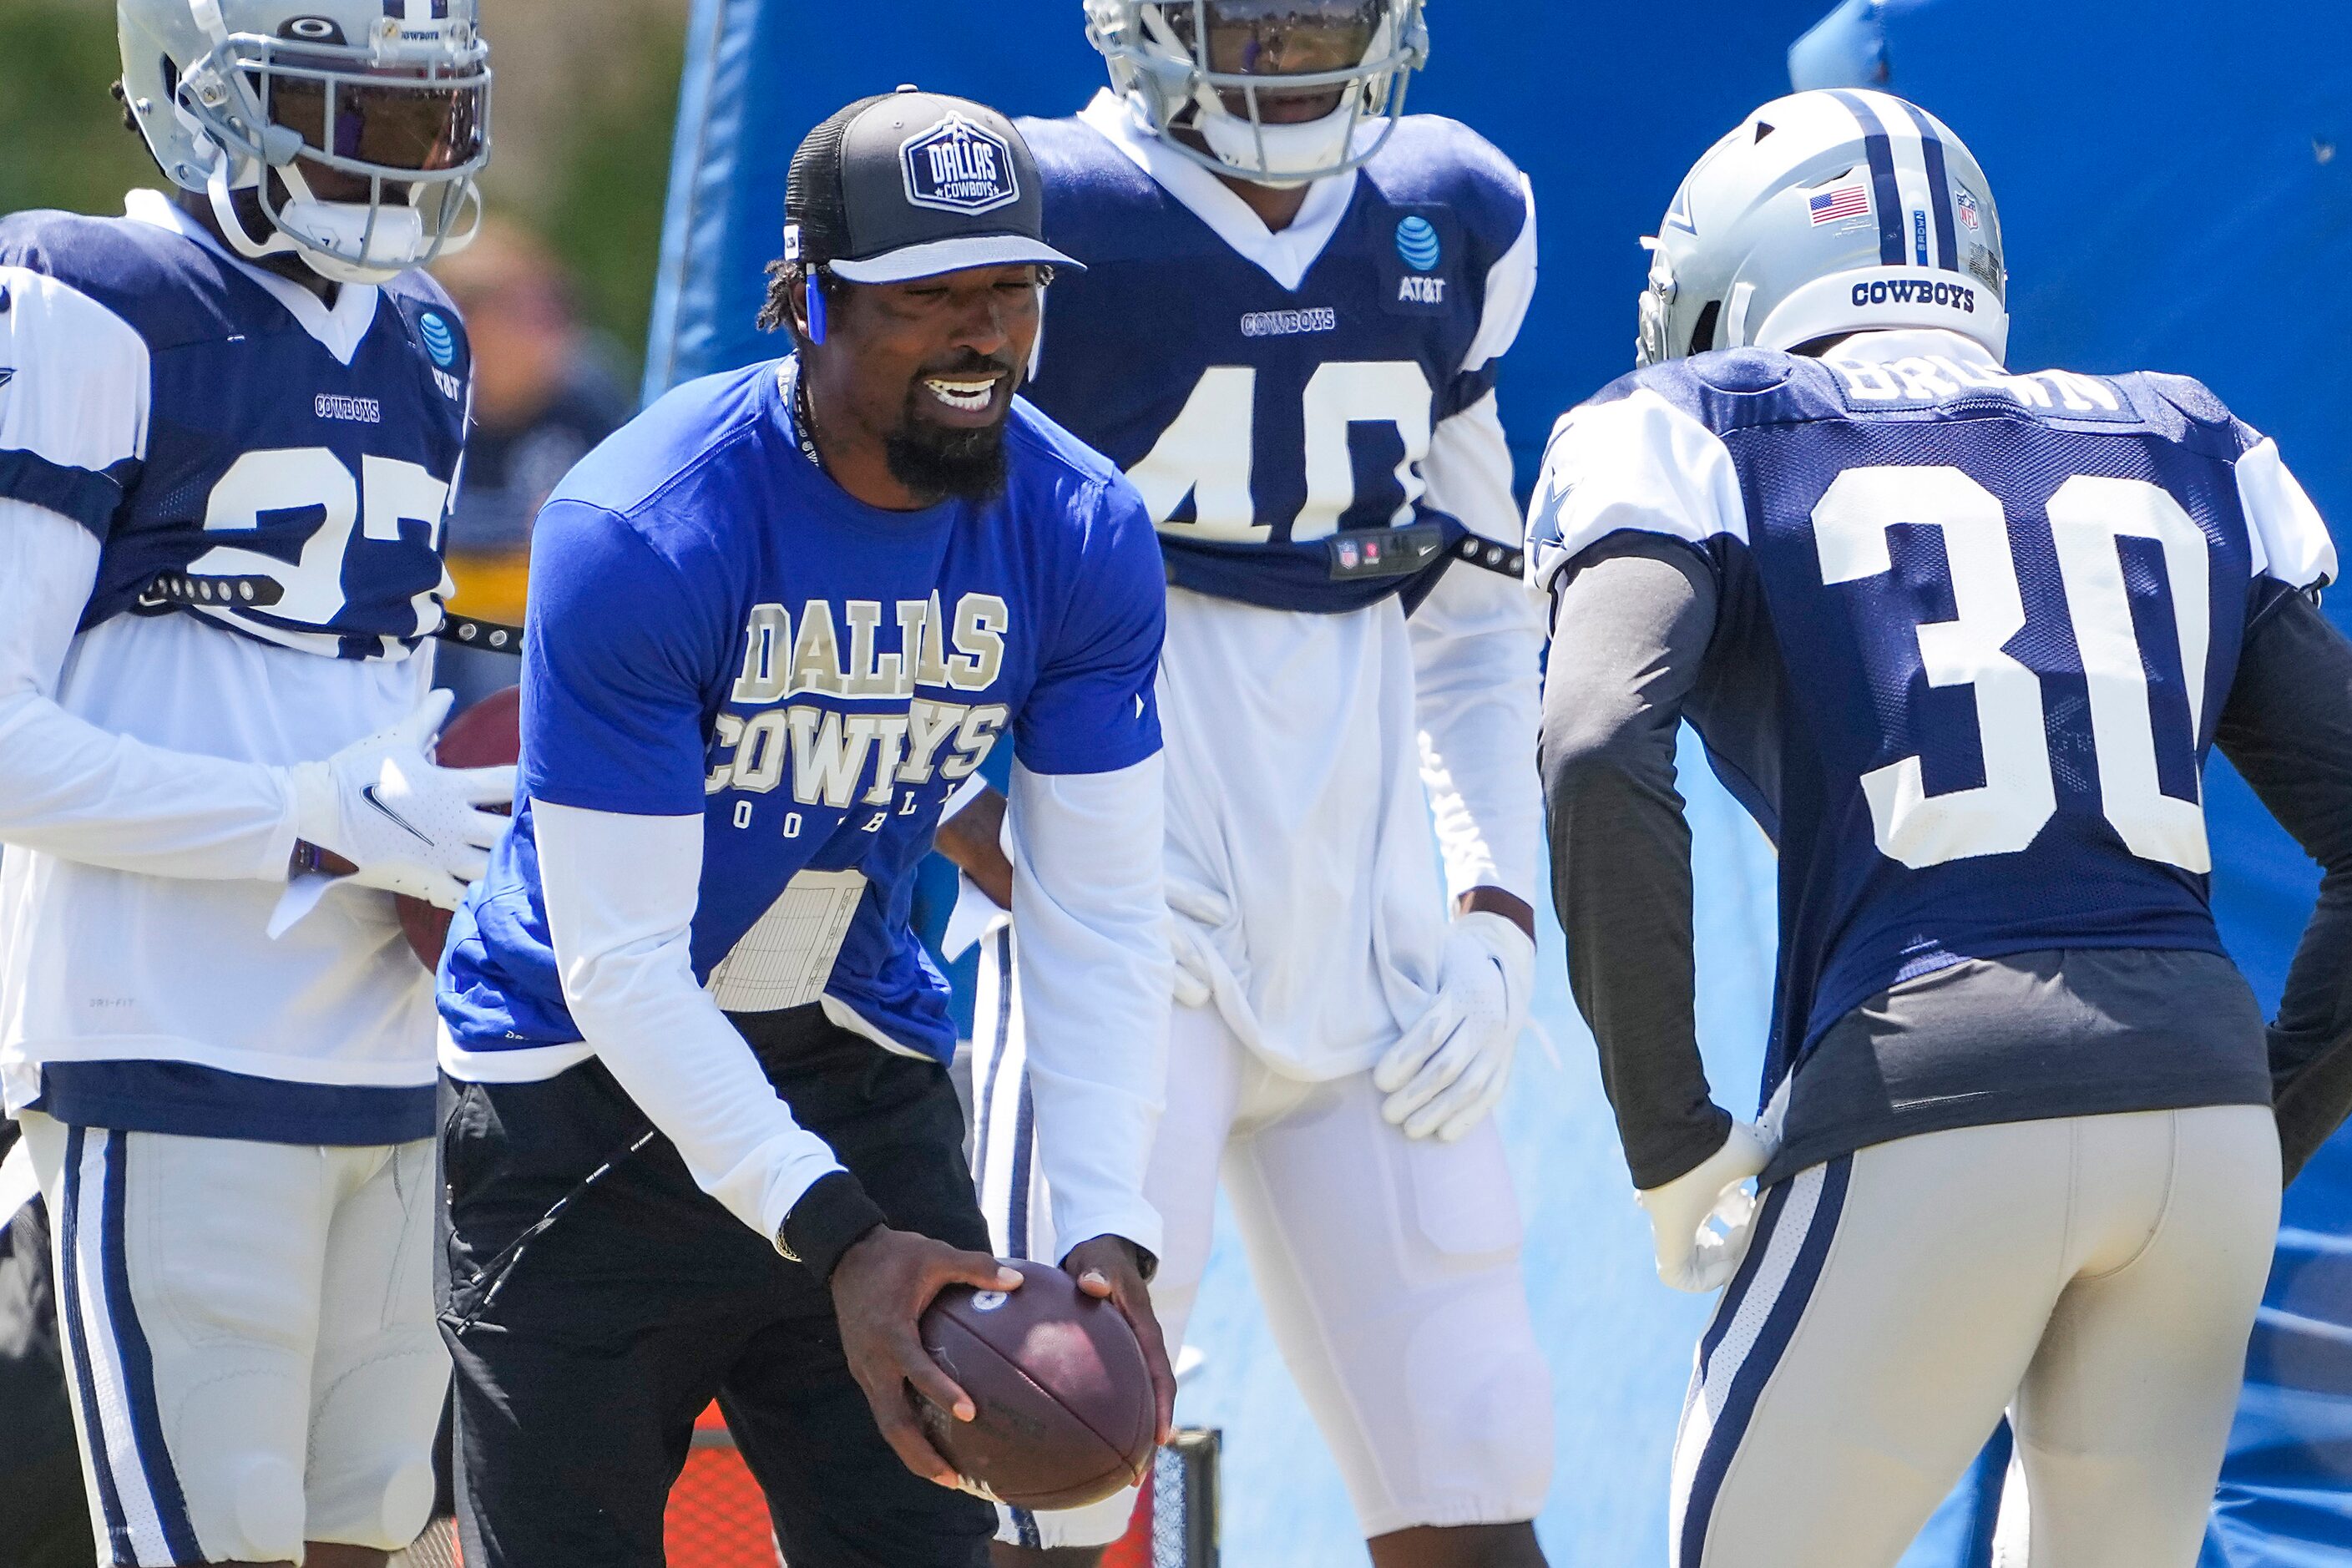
x=1452, y=1066
x=1693, y=1255
x=409, y=825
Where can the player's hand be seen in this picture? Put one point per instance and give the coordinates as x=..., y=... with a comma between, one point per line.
x=1693, y=1254
x=1193, y=911
x=880, y=1289
x=1195, y=982
x=406, y=824
x=974, y=839
x=1108, y=1268
x=1451, y=1066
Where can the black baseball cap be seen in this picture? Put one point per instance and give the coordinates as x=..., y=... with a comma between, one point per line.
x=910, y=184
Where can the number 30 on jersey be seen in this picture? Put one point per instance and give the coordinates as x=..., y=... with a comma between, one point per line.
x=2088, y=515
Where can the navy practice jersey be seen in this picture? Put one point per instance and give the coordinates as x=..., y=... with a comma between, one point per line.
x=1277, y=425
x=1974, y=634
x=245, y=470
x=717, y=629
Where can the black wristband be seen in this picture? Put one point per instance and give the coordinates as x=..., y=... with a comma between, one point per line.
x=830, y=1219
x=1147, y=1262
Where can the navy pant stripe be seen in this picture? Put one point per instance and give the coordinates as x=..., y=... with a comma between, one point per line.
x=1879, y=149
x=1759, y=1242
x=1763, y=1359
x=1939, y=190
x=1024, y=1126
x=109, y=1497
x=139, y=1368
x=996, y=954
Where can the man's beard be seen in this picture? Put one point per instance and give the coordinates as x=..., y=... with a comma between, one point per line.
x=939, y=463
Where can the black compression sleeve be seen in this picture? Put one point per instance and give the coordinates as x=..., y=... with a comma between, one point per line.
x=2287, y=727
x=1632, y=621
x=831, y=1217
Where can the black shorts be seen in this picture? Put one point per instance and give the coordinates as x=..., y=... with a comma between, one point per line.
x=584, y=1350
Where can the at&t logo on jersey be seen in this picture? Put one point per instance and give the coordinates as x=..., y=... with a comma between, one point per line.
x=1418, y=245
x=439, y=341
x=960, y=167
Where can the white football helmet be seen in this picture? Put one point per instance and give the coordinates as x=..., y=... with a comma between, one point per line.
x=1825, y=212
x=1216, y=66
x=374, y=115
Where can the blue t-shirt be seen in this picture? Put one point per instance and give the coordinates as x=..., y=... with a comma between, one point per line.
x=1974, y=635
x=716, y=626
x=1277, y=433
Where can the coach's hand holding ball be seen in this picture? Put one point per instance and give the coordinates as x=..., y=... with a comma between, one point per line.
x=881, y=1288
x=1110, y=1269
x=1692, y=1254
x=1065, y=1404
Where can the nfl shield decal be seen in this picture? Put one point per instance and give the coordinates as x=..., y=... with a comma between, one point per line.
x=957, y=166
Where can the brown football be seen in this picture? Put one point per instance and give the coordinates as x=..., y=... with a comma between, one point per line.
x=1064, y=1399
x=487, y=735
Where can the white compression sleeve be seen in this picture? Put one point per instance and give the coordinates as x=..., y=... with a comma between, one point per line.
x=1477, y=642
x=1096, y=979
x=620, y=895
x=71, y=789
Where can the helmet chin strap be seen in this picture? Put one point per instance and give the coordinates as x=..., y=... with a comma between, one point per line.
x=343, y=242
x=1276, y=155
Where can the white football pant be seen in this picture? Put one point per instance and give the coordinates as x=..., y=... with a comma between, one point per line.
x=1389, y=1268
x=2095, y=1277
x=249, y=1340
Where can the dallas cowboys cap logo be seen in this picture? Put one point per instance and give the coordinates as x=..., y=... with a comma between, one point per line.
x=960, y=167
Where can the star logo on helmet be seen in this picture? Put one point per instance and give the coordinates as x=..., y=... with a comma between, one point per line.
x=1679, y=215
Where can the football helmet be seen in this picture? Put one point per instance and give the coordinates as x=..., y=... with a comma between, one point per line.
x=1253, y=77
x=1825, y=213
x=373, y=114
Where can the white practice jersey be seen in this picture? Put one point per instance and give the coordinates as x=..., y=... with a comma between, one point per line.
x=1310, y=415
x=221, y=503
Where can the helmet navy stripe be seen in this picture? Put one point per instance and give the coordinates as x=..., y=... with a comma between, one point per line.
x=1939, y=187
x=1879, y=148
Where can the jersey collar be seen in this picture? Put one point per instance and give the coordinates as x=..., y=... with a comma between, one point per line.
x=1908, y=342
x=1286, y=256
x=339, y=331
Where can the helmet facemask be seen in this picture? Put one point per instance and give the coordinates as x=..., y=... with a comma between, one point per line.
x=374, y=147
x=1276, y=88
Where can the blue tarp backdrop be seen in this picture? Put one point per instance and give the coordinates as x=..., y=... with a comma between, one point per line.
x=2168, y=180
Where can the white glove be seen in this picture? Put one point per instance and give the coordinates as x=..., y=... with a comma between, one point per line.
x=1693, y=1255
x=1451, y=1066
x=1196, y=977
x=409, y=826
x=1193, y=912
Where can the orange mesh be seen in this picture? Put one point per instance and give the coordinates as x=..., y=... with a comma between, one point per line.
x=717, y=1517
x=1133, y=1550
